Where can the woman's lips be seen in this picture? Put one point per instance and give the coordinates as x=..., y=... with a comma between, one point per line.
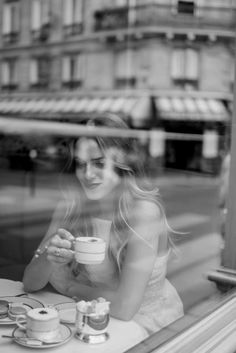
x=91, y=185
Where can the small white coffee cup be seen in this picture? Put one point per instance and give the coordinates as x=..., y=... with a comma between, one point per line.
x=40, y=323
x=90, y=250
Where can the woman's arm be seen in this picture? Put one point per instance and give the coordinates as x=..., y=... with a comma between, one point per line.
x=137, y=267
x=37, y=273
x=39, y=270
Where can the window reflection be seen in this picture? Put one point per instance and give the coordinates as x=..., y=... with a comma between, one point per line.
x=165, y=68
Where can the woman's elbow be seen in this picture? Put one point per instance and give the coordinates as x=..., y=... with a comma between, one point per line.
x=28, y=286
x=124, y=312
x=125, y=316
x=31, y=284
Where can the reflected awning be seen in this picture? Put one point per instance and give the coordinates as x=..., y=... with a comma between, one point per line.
x=188, y=108
x=135, y=108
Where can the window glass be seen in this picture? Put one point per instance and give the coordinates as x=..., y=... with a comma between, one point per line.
x=117, y=171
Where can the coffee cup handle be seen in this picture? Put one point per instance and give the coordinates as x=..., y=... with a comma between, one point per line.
x=21, y=322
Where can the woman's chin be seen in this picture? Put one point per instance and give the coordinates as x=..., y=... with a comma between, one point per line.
x=94, y=196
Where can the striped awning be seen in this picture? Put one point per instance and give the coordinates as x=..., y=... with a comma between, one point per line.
x=188, y=108
x=136, y=108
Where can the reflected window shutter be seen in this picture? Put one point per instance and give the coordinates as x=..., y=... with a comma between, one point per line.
x=6, y=18
x=68, y=12
x=15, y=18
x=80, y=67
x=45, y=6
x=177, y=64
x=78, y=8
x=33, y=71
x=35, y=15
x=120, y=65
x=5, y=73
x=14, y=71
x=130, y=63
x=191, y=67
x=66, y=69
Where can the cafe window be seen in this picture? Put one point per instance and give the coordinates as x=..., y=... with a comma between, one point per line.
x=73, y=70
x=185, y=67
x=11, y=21
x=178, y=135
x=40, y=19
x=9, y=74
x=40, y=72
x=73, y=17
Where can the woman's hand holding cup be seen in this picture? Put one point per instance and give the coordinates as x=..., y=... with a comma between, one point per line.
x=60, y=249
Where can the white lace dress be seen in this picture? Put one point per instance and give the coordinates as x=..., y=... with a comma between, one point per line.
x=161, y=303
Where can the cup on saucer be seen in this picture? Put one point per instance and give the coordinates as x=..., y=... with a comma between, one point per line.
x=40, y=323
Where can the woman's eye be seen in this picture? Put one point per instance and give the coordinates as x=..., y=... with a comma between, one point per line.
x=99, y=164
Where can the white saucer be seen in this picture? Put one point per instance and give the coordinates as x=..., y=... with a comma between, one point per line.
x=20, y=337
x=67, y=312
x=28, y=303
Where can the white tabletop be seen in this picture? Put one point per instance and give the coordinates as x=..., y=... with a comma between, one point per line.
x=123, y=334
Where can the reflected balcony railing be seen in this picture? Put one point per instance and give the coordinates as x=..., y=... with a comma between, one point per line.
x=72, y=84
x=42, y=34
x=218, y=18
x=9, y=86
x=11, y=37
x=73, y=29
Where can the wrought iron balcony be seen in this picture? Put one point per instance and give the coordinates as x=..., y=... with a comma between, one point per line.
x=40, y=85
x=42, y=34
x=219, y=18
x=72, y=84
x=11, y=37
x=9, y=87
x=73, y=29
x=111, y=19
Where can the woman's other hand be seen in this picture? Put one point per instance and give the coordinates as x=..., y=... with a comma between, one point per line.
x=60, y=249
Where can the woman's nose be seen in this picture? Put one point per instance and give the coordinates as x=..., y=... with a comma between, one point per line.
x=89, y=172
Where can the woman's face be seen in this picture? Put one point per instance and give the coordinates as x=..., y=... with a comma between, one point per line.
x=95, y=169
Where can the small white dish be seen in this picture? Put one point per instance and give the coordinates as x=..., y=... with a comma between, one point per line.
x=67, y=312
x=28, y=303
x=19, y=336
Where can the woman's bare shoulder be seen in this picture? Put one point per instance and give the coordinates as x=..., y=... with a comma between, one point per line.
x=147, y=221
x=147, y=209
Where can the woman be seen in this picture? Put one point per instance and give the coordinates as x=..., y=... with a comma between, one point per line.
x=106, y=201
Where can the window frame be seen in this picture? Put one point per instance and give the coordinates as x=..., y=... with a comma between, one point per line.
x=12, y=73
x=197, y=4
x=11, y=22
x=184, y=76
x=36, y=82
x=41, y=31
x=74, y=74
x=228, y=255
x=127, y=78
x=72, y=25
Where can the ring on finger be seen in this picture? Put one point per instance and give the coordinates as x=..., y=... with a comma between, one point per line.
x=57, y=252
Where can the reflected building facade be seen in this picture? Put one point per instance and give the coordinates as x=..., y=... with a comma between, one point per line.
x=164, y=65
